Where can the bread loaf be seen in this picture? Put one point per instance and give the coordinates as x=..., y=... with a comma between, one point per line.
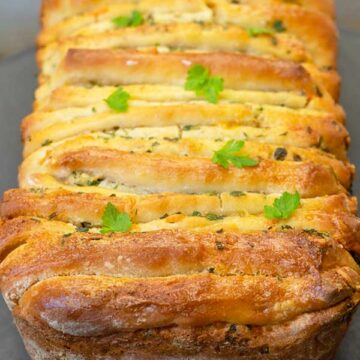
x=185, y=191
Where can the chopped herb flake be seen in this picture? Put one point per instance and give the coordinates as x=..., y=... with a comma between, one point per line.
x=188, y=127
x=214, y=217
x=82, y=229
x=196, y=213
x=47, y=142
x=278, y=26
x=135, y=19
x=95, y=182
x=237, y=193
x=280, y=154
x=286, y=227
x=258, y=31
x=317, y=233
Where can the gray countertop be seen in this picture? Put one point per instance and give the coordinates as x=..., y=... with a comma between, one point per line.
x=18, y=26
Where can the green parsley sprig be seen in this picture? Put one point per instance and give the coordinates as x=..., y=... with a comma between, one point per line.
x=228, y=155
x=118, y=100
x=135, y=19
x=283, y=207
x=115, y=221
x=199, y=80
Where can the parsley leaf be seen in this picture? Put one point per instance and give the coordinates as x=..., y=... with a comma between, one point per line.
x=135, y=19
x=118, y=100
x=257, y=31
x=115, y=221
x=227, y=155
x=278, y=26
x=283, y=207
x=199, y=80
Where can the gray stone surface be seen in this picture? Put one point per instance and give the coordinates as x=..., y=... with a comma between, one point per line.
x=18, y=26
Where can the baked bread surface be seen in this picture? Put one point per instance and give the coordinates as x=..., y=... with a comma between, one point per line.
x=202, y=272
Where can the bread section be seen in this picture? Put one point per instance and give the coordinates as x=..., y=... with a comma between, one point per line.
x=185, y=191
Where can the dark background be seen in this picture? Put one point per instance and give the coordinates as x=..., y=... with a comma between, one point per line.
x=18, y=26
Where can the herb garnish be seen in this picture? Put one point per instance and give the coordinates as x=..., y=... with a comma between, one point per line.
x=118, y=100
x=115, y=221
x=135, y=19
x=227, y=155
x=199, y=80
x=283, y=207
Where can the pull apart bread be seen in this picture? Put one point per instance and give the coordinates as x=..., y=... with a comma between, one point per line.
x=185, y=191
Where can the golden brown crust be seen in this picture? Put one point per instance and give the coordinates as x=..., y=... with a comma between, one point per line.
x=86, y=205
x=190, y=37
x=182, y=150
x=169, y=172
x=313, y=336
x=163, y=253
x=330, y=215
x=176, y=37
x=321, y=40
x=34, y=251
x=116, y=67
x=56, y=10
x=201, y=25
x=104, y=305
x=317, y=125
x=203, y=271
